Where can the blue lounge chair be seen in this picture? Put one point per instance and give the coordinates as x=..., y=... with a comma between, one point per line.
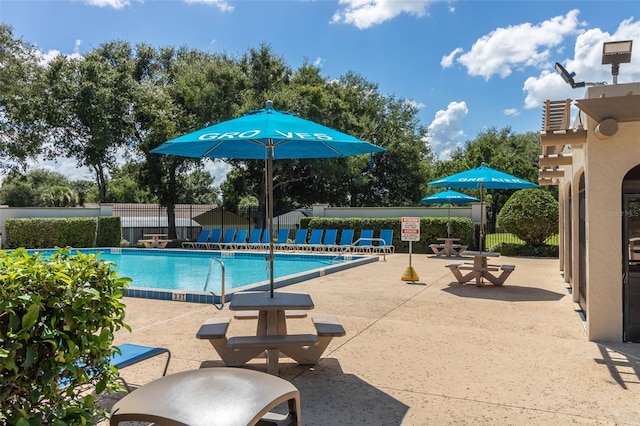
x=346, y=239
x=238, y=241
x=300, y=240
x=202, y=239
x=282, y=239
x=254, y=239
x=364, y=244
x=386, y=245
x=132, y=354
x=214, y=238
x=315, y=239
x=328, y=241
x=229, y=234
x=129, y=354
x=264, y=241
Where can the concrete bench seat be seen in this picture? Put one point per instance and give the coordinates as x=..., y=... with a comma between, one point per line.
x=508, y=267
x=213, y=328
x=328, y=326
x=272, y=342
x=250, y=315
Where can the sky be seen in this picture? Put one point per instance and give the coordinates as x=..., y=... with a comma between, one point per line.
x=467, y=65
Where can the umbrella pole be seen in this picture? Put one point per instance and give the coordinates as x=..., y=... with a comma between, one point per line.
x=270, y=210
x=481, y=216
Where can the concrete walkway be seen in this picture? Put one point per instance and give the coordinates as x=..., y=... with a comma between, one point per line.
x=428, y=353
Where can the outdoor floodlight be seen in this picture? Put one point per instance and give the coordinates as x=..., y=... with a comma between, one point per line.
x=568, y=77
x=616, y=53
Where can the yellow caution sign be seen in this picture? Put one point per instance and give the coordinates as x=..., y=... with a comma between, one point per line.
x=410, y=275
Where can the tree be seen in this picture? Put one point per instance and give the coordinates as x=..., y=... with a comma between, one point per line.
x=181, y=91
x=91, y=106
x=26, y=190
x=59, y=196
x=531, y=215
x=516, y=154
x=124, y=186
x=21, y=98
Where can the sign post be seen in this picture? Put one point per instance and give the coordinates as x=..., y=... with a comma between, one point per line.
x=410, y=231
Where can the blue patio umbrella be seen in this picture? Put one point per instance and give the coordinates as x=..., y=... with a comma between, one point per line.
x=482, y=178
x=267, y=134
x=449, y=197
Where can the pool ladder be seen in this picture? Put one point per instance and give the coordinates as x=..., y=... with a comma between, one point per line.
x=206, y=284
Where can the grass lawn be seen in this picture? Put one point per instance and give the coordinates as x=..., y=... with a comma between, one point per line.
x=505, y=237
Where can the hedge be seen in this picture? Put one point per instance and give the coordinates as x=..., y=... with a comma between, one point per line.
x=68, y=232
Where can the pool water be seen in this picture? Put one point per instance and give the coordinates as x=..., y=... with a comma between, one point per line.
x=182, y=274
x=188, y=271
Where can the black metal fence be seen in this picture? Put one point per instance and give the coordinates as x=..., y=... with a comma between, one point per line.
x=140, y=219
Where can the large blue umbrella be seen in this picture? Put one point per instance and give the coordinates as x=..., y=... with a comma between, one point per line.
x=267, y=134
x=483, y=177
x=449, y=197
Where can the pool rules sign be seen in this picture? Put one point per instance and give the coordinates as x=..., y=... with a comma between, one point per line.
x=410, y=231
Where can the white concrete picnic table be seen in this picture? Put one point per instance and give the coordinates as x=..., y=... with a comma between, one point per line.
x=480, y=269
x=155, y=241
x=450, y=247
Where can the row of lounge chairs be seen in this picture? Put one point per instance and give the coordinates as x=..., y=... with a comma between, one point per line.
x=319, y=240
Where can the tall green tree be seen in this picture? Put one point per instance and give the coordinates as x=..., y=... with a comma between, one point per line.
x=182, y=90
x=21, y=99
x=91, y=108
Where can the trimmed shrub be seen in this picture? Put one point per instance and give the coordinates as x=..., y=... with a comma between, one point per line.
x=57, y=324
x=531, y=215
x=510, y=249
x=79, y=232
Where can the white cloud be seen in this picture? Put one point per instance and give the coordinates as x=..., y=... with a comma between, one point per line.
x=447, y=61
x=65, y=166
x=318, y=62
x=519, y=46
x=587, y=64
x=511, y=112
x=223, y=5
x=116, y=4
x=364, y=14
x=445, y=130
x=220, y=4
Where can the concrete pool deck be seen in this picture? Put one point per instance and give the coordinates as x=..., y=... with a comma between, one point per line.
x=428, y=353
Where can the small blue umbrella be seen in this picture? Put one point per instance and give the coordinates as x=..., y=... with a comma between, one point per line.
x=267, y=134
x=483, y=177
x=449, y=197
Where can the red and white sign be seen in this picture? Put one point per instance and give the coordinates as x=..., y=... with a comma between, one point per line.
x=410, y=229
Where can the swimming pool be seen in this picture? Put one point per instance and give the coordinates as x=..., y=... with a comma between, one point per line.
x=182, y=274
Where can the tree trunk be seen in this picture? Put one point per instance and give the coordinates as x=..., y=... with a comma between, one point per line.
x=102, y=185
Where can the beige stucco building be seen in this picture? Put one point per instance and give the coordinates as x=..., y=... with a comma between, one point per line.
x=596, y=165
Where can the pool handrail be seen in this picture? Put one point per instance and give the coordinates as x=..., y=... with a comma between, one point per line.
x=350, y=248
x=206, y=284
